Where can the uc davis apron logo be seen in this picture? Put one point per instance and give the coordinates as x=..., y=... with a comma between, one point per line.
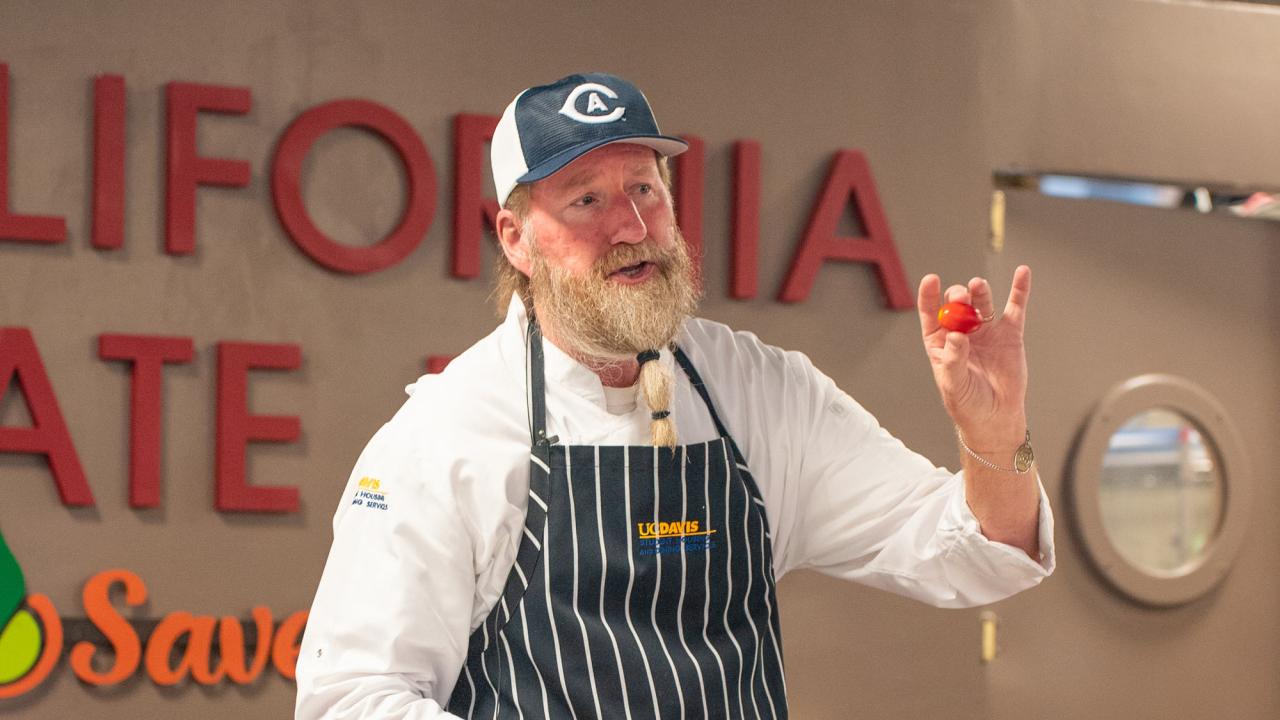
x=658, y=538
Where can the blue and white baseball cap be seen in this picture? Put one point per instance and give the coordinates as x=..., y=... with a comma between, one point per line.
x=549, y=126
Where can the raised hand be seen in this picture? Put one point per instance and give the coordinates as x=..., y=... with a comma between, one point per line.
x=982, y=376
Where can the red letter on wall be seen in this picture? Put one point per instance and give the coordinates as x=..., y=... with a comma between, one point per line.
x=471, y=209
x=23, y=228
x=186, y=169
x=236, y=427
x=746, y=219
x=848, y=179
x=146, y=400
x=48, y=434
x=108, y=162
x=437, y=363
x=286, y=185
x=690, y=166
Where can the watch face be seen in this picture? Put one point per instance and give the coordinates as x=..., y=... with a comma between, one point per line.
x=1024, y=458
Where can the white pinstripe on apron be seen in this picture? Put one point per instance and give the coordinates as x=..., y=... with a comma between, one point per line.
x=649, y=594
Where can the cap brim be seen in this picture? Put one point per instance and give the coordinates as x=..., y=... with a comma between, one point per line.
x=664, y=144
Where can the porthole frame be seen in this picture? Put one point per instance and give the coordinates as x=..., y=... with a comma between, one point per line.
x=1118, y=406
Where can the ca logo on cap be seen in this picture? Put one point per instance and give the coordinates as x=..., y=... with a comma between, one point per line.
x=594, y=103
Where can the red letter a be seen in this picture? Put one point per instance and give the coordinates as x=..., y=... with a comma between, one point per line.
x=848, y=179
x=48, y=433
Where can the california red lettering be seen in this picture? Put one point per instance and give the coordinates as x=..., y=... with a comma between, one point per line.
x=185, y=168
x=22, y=228
x=473, y=213
x=48, y=433
x=286, y=185
x=147, y=354
x=848, y=180
x=689, y=172
x=237, y=428
x=745, y=227
x=437, y=363
x=108, y=162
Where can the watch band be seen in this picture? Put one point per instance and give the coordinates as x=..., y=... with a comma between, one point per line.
x=1024, y=458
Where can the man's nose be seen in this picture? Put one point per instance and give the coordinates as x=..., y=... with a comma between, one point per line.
x=628, y=225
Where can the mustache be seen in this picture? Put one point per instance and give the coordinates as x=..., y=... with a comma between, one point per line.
x=627, y=255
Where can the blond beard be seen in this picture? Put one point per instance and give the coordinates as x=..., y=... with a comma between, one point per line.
x=594, y=317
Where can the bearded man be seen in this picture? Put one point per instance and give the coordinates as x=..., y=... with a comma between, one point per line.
x=585, y=514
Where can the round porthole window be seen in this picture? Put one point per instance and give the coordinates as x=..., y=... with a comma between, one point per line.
x=1159, y=490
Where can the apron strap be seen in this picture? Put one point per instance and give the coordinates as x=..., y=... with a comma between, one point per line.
x=537, y=393
x=696, y=380
x=535, y=382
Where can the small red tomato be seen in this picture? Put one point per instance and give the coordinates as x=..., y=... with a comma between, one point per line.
x=960, y=317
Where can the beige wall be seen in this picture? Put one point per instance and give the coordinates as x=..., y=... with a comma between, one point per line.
x=937, y=94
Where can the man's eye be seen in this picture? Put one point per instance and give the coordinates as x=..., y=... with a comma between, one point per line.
x=644, y=188
x=587, y=200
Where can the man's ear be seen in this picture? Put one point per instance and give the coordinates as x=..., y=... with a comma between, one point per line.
x=511, y=237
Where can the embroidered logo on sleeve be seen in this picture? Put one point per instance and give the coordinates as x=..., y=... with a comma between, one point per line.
x=371, y=494
x=659, y=538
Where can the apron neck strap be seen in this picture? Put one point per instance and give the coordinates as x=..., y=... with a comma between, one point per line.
x=696, y=380
x=535, y=379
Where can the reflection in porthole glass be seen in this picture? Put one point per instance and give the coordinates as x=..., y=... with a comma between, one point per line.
x=1161, y=492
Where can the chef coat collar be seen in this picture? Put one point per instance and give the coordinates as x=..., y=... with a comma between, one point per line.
x=560, y=369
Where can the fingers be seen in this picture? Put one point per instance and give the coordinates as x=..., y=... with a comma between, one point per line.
x=982, y=299
x=977, y=293
x=1019, y=295
x=928, y=301
x=958, y=293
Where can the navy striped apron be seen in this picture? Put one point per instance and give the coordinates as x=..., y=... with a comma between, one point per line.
x=643, y=585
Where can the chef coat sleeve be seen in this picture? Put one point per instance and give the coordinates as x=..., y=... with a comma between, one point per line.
x=387, y=633
x=863, y=507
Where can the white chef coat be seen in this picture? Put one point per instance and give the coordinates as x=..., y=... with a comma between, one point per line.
x=428, y=526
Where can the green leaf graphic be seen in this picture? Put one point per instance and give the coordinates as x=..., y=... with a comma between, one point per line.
x=12, y=587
